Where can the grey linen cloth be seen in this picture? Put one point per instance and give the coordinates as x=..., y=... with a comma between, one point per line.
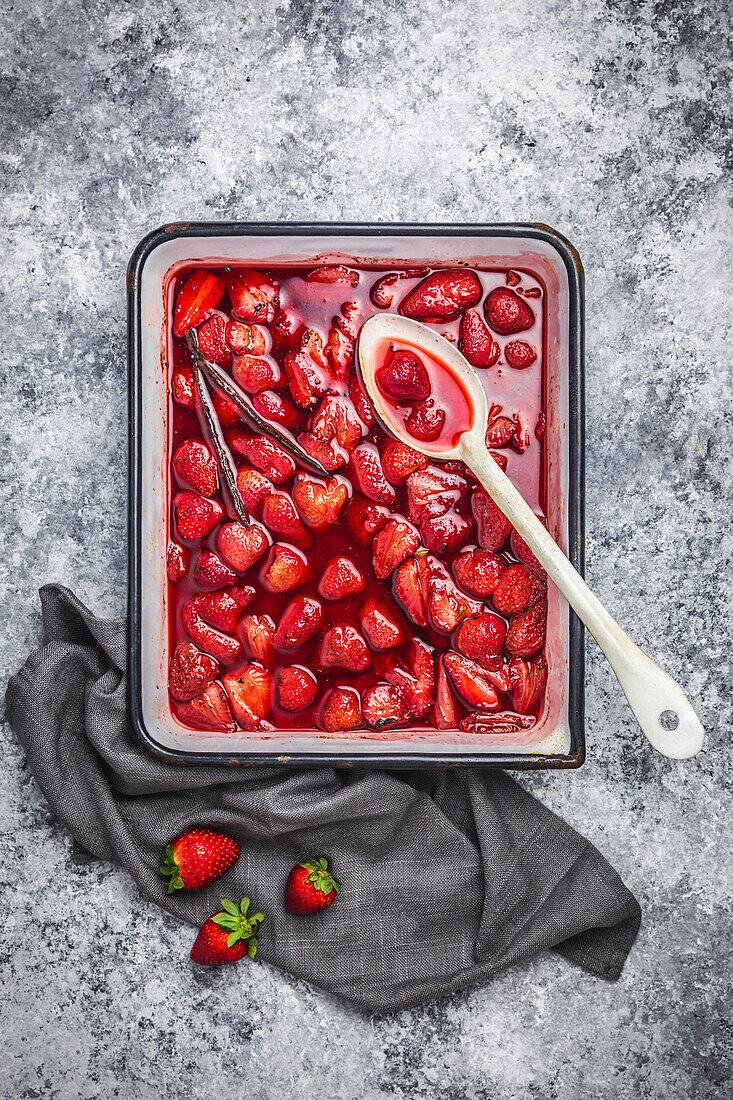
x=448, y=876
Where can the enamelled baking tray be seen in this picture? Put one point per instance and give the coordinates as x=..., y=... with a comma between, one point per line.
x=558, y=740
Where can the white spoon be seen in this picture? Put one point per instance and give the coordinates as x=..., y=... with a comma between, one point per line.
x=661, y=707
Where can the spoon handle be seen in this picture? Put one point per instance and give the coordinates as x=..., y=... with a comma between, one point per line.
x=661, y=707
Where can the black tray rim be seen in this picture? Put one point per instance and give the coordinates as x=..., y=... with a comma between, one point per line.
x=576, y=494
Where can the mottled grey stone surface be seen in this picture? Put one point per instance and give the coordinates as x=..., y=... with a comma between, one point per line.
x=602, y=119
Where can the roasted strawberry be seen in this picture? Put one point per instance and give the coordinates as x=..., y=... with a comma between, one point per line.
x=500, y=459
x=227, y=412
x=499, y=431
x=478, y=571
x=384, y=290
x=523, y=552
x=528, y=679
x=476, y=342
x=211, y=572
x=297, y=688
x=307, y=370
x=256, y=373
x=518, y=588
x=364, y=518
x=263, y=453
x=426, y=421
x=384, y=707
x=245, y=339
x=177, y=561
x=196, y=516
x=319, y=503
x=492, y=525
x=369, y=474
x=411, y=586
x=519, y=354
x=343, y=647
x=444, y=712
x=183, y=388
x=339, y=350
x=480, y=637
x=286, y=569
x=336, y=418
x=212, y=340
x=227, y=936
x=219, y=644
x=506, y=312
x=254, y=296
x=442, y=296
x=286, y=330
x=342, y=710
x=254, y=489
x=300, y=621
x=223, y=609
x=280, y=516
x=403, y=378
x=190, y=672
x=250, y=690
x=273, y=406
x=240, y=546
x=541, y=424
x=470, y=680
x=496, y=723
x=197, y=858
x=417, y=684
x=380, y=624
x=360, y=401
x=520, y=439
x=399, y=461
x=258, y=632
x=340, y=579
x=513, y=278
x=327, y=452
x=196, y=300
x=444, y=534
x=447, y=605
x=208, y=711
x=397, y=540
x=526, y=633
x=433, y=492
x=196, y=466
x=333, y=273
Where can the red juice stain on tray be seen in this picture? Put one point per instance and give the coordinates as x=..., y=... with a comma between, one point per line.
x=398, y=552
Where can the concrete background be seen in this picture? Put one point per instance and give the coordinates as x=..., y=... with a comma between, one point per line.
x=605, y=120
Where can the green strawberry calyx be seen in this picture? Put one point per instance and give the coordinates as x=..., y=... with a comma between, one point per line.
x=239, y=925
x=320, y=878
x=170, y=867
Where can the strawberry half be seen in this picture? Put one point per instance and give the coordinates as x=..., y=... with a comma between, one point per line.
x=432, y=492
x=418, y=683
x=384, y=290
x=196, y=516
x=240, y=546
x=363, y=518
x=245, y=339
x=196, y=466
x=411, y=586
x=254, y=296
x=266, y=455
x=254, y=489
x=341, y=710
x=492, y=525
x=250, y=690
x=197, y=858
x=340, y=579
x=471, y=682
x=444, y=711
x=211, y=572
x=343, y=647
x=526, y=633
x=280, y=516
x=183, y=388
x=476, y=342
x=339, y=350
x=426, y=421
x=480, y=636
x=447, y=605
x=177, y=561
x=258, y=632
x=227, y=936
x=256, y=373
x=300, y=621
x=397, y=540
x=360, y=401
x=319, y=503
x=380, y=625
x=478, y=571
x=497, y=723
x=519, y=354
x=399, y=461
x=196, y=300
x=333, y=273
x=403, y=378
x=499, y=431
x=214, y=639
x=384, y=707
x=369, y=474
x=442, y=296
x=518, y=588
x=523, y=552
x=337, y=419
x=208, y=711
x=212, y=340
x=310, y=887
x=506, y=313
x=445, y=534
x=286, y=569
x=528, y=680
x=278, y=409
x=297, y=688
x=307, y=369
x=190, y=672
x=227, y=412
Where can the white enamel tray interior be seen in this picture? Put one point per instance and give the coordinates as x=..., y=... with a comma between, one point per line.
x=551, y=734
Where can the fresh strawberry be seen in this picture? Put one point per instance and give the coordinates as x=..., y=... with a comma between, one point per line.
x=336, y=418
x=411, y=586
x=196, y=467
x=227, y=412
x=384, y=290
x=325, y=451
x=523, y=552
x=360, y=401
x=227, y=936
x=190, y=672
x=343, y=647
x=280, y=516
x=492, y=525
x=300, y=621
x=208, y=711
x=196, y=516
x=339, y=349
x=311, y=887
x=254, y=489
x=240, y=546
x=319, y=502
x=250, y=690
x=519, y=354
x=528, y=679
x=478, y=571
x=254, y=296
x=245, y=339
x=417, y=684
x=518, y=588
x=333, y=273
x=399, y=461
x=196, y=300
x=177, y=561
x=397, y=540
x=263, y=453
x=340, y=579
x=183, y=388
x=286, y=569
x=444, y=712
x=258, y=632
x=526, y=633
x=499, y=431
x=384, y=707
x=506, y=313
x=364, y=518
x=476, y=342
x=445, y=534
x=369, y=474
x=341, y=710
x=307, y=370
x=480, y=636
x=433, y=492
x=212, y=340
x=442, y=295
x=297, y=688
x=497, y=723
x=426, y=421
x=471, y=682
x=211, y=572
x=447, y=604
x=256, y=373
x=197, y=858
x=380, y=624
x=403, y=378
x=273, y=406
